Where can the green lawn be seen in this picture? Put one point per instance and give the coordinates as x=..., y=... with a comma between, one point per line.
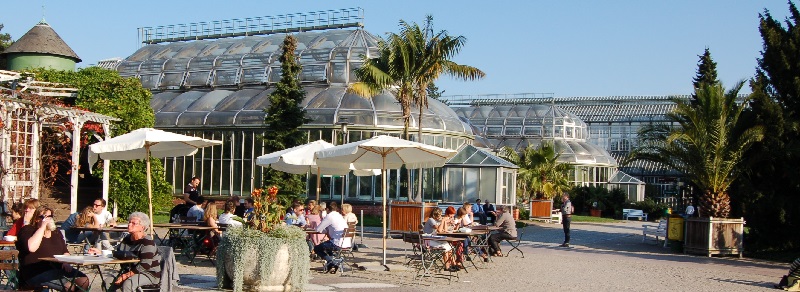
x=581, y=218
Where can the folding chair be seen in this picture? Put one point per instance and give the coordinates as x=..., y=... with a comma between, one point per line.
x=9, y=266
x=166, y=281
x=342, y=253
x=514, y=242
x=431, y=260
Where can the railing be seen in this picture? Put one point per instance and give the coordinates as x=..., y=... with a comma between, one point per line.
x=294, y=22
x=677, y=204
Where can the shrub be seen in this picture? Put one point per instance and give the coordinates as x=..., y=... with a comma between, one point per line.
x=654, y=210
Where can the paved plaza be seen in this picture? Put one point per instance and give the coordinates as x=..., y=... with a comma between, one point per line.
x=603, y=257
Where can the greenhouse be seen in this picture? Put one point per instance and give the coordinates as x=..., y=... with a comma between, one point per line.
x=218, y=89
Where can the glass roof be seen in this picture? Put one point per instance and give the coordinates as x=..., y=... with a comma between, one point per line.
x=325, y=106
x=326, y=56
x=624, y=178
x=470, y=155
x=523, y=125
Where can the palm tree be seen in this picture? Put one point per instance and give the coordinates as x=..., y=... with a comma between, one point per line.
x=540, y=174
x=707, y=144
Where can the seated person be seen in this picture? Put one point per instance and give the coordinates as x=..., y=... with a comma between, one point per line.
x=791, y=282
x=508, y=230
x=347, y=211
x=210, y=219
x=102, y=216
x=38, y=240
x=249, y=204
x=462, y=218
x=435, y=224
x=313, y=219
x=227, y=218
x=295, y=215
x=84, y=218
x=491, y=213
x=477, y=211
x=30, y=207
x=196, y=211
x=239, y=208
x=136, y=245
x=333, y=225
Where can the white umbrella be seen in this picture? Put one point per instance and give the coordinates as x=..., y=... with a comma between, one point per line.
x=300, y=160
x=384, y=152
x=145, y=143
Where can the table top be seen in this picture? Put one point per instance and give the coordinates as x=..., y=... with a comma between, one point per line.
x=112, y=262
x=445, y=238
x=102, y=229
x=4, y=243
x=190, y=227
x=464, y=234
x=484, y=227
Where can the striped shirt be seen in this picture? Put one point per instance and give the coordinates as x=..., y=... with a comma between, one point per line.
x=146, y=251
x=794, y=270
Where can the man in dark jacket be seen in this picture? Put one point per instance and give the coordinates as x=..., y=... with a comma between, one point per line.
x=491, y=212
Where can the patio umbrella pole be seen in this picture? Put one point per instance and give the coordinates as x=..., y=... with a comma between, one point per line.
x=383, y=196
x=149, y=186
x=319, y=180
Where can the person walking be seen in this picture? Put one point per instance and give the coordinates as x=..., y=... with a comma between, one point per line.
x=566, y=217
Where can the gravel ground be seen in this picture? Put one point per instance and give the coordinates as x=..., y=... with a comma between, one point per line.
x=603, y=257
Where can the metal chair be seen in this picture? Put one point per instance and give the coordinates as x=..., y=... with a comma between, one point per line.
x=514, y=242
x=342, y=253
x=166, y=282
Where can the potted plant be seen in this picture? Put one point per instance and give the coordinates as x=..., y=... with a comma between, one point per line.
x=265, y=255
x=597, y=209
x=707, y=146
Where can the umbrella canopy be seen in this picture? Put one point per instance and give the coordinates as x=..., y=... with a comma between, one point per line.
x=145, y=143
x=384, y=152
x=300, y=160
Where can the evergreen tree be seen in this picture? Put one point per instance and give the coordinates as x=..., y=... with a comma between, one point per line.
x=706, y=70
x=434, y=92
x=284, y=118
x=769, y=197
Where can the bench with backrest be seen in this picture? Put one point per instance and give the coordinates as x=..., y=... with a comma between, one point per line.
x=657, y=231
x=633, y=213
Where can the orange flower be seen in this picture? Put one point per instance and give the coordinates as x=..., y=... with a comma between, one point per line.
x=257, y=205
x=273, y=190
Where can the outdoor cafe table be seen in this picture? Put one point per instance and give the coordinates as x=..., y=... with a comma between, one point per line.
x=99, y=229
x=478, y=239
x=97, y=265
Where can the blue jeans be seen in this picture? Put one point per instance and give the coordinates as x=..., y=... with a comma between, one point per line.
x=55, y=279
x=325, y=250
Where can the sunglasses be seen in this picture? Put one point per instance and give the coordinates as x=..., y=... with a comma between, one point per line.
x=45, y=216
x=98, y=205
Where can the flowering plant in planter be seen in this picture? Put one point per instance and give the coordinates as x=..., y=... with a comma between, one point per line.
x=267, y=210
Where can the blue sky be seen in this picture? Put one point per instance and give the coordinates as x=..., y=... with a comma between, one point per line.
x=569, y=48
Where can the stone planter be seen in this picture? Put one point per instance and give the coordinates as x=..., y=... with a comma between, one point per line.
x=254, y=261
x=596, y=212
x=710, y=236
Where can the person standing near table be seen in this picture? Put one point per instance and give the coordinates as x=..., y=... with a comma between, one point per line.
x=38, y=240
x=137, y=245
x=190, y=192
x=508, y=230
x=566, y=217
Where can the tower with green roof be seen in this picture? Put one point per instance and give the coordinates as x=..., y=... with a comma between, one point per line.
x=40, y=47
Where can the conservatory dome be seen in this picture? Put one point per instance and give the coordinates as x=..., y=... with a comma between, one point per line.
x=521, y=125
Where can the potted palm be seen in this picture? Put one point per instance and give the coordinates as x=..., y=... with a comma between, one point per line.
x=707, y=146
x=265, y=255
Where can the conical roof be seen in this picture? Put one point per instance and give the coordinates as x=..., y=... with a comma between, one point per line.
x=42, y=39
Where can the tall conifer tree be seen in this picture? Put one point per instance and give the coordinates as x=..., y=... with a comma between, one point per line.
x=284, y=118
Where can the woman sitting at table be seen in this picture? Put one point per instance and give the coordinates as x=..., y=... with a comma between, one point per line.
x=30, y=207
x=462, y=218
x=312, y=221
x=38, y=240
x=84, y=218
x=137, y=245
x=435, y=224
x=227, y=218
x=210, y=220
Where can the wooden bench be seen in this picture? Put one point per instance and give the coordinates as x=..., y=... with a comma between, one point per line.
x=657, y=231
x=633, y=213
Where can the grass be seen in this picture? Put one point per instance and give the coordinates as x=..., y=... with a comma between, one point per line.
x=581, y=218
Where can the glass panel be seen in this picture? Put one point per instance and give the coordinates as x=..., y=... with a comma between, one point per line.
x=455, y=185
x=352, y=101
x=192, y=118
x=172, y=79
x=389, y=119
x=150, y=81
x=225, y=77
x=198, y=78
x=471, y=183
x=237, y=100
x=220, y=118
x=385, y=102
x=209, y=101
x=488, y=183
x=513, y=131
x=312, y=73
x=358, y=117
x=339, y=73
x=256, y=75
x=327, y=99
x=260, y=101
x=250, y=118
x=166, y=119
x=180, y=103
x=274, y=74
x=160, y=99
x=320, y=116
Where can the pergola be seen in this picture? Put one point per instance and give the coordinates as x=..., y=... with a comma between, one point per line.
x=21, y=124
